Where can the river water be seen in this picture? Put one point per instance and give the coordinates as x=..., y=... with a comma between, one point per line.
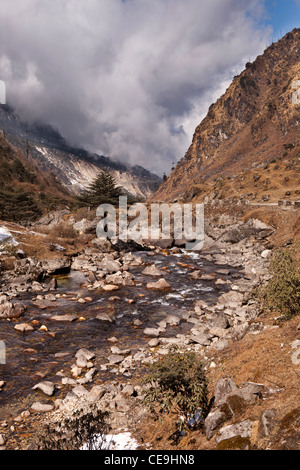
x=31, y=357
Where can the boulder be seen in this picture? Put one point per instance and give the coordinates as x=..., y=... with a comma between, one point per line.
x=222, y=389
x=102, y=244
x=56, y=265
x=85, y=226
x=53, y=218
x=213, y=421
x=109, y=266
x=242, y=429
x=11, y=310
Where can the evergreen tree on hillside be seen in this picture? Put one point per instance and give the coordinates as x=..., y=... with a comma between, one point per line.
x=17, y=205
x=103, y=190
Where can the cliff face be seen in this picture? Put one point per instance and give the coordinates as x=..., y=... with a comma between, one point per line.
x=256, y=121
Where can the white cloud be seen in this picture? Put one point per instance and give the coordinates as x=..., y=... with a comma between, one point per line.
x=130, y=79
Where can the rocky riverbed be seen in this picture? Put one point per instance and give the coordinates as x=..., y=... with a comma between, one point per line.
x=81, y=331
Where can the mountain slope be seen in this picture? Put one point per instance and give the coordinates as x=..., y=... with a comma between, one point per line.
x=75, y=168
x=256, y=121
x=26, y=191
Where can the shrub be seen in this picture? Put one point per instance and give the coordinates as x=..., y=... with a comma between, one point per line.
x=87, y=428
x=282, y=291
x=63, y=230
x=176, y=381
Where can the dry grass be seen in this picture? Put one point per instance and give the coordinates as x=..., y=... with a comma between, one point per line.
x=264, y=358
x=41, y=246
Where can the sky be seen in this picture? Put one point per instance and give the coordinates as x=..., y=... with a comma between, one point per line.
x=131, y=79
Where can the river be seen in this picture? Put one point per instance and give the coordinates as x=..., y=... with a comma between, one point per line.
x=32, y=356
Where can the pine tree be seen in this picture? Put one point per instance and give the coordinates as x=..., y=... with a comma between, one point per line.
x=103, y=190
x=18, y=205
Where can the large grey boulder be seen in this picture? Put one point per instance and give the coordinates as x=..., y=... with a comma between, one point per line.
x=56, y=265
x=242, y=429
x=53, y=218
x=213, y=421
x=222, y=389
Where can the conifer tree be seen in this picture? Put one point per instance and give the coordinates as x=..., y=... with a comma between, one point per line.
x=103, y=190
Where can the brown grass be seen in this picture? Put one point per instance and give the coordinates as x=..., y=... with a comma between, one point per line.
x=264, y=358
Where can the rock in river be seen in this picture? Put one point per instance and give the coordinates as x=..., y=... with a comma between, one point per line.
x=46, y=387
x=160, y=284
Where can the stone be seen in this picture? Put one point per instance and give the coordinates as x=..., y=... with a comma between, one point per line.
x=121, y=404
x=23, y=327
x=10, y=310
x=103, y=244
x=85, y=226
x=115, y=359
x=76, y=371
x=213, y=421
x=201, y=338
x=56, y=265
x=42, y=304
x=153, y=343
x=266, y=423
x=50, y=297
x=152, y=270
x=90, y=374
x=155, y=332
x=79, y=391
x=172, y=320
x=239, y=331
x=68, y=318
x=47, y=388
x=242, y=429
x=96, y=393
x=222, y=389
x=103, y=316
x=110, y=287
x=220, y=344
x=266, y=254
x=41, y=407
x=109, y=266
x=83, y=358
x=68, y=381
x=160, y=284
x=128, y=390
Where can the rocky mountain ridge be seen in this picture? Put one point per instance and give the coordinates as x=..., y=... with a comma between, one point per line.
x=255, y=122
x=74, y=167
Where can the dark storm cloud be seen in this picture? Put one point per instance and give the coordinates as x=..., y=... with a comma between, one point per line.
x=130, y=79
